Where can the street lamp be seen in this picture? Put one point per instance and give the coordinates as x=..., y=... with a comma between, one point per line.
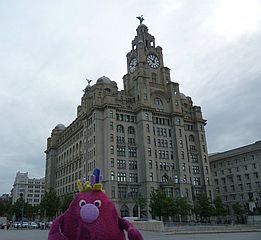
x=22, y=199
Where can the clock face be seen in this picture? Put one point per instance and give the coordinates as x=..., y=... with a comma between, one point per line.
x=133, y=64
x=153, y=61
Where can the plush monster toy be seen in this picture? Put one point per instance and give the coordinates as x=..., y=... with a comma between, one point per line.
x=92, y=216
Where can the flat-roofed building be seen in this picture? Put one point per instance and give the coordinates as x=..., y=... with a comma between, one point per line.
x=236, y=175
x=30, y=189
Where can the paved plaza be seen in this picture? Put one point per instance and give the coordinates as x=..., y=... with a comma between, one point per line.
x=42, y=235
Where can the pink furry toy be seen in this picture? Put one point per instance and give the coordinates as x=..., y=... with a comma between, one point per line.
x=92, y=216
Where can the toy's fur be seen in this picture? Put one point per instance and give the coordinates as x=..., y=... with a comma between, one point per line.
x=107, y=226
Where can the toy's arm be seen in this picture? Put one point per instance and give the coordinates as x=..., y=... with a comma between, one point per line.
x=133, y=233
x=55, y=232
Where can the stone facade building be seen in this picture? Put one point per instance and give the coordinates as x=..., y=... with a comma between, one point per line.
x=237, y=175
x=147, y=136
x=5, y=198
x=32, y=189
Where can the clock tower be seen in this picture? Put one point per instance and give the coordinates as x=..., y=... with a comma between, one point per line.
x=148, y=136
x=145, y=68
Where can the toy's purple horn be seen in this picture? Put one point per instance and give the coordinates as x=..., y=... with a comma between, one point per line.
x=96, y=173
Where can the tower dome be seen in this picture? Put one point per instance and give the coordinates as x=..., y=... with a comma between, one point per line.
x=104, y=79
x=60, y=127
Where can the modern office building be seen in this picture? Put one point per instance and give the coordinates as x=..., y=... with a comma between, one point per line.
x=30, y=189
x=147, y=136
x=237, y=175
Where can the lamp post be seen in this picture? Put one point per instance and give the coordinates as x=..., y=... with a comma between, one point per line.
x=22, y=199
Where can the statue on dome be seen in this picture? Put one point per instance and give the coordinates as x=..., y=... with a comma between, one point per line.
x=141, y=19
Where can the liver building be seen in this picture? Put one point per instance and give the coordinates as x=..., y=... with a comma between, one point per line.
x=147, y=136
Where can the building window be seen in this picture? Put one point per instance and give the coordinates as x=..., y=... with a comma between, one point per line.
x=191, y=138
x=121, y=164
x=133, y=177
x=112, y=176
x=207, y=181
x=133, y=165
x=183, y=166
x=151, y=177
x=111, y=137
x=131, y=140
x=121, y=177
x=111, y=114
x=120, y=140
x=121, y=151
x=148, y=139
x=148, y=128
x=181, y=143
x=192, y=147
x=150, y=164
x=112, y=162
x=194, y=158
x=132, y=152
x=122, y=192
x=112, y=149
x=112, y=192
x=164, y=178
x=120, y=129
x=131, y=130
x=149, y=151
x=146, y=116
x=195, y=169
x=158, y=102
x=204, y=148
x=196, y=181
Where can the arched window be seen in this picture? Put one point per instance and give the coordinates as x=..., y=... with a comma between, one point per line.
x=165, y=178
x=112, y=176
x=131, y=130
x=120, y=129
x=135, y=211
x=191, y=138
x=124, y=211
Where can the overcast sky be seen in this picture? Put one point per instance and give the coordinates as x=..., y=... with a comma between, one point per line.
x=48, y=48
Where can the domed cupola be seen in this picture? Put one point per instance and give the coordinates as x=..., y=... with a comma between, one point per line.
x=104, y=79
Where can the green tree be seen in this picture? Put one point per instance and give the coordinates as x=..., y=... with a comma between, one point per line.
x=50, y=204
x=203, y=207
x=6, y=209
x=181, y=207
x=18, y=208
x=160, y=204
x=65, y=201
x=220, y=209
x=238, y=211
x=237, y=208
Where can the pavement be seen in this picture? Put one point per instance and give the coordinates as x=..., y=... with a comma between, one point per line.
x=148, y=235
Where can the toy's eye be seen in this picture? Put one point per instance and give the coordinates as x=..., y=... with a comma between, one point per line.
x=82, y=203
x=97, y=203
